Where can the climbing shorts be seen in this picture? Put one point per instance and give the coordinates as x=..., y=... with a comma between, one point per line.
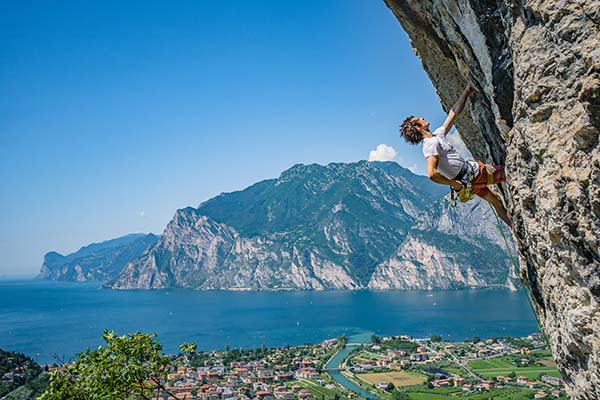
x=488, y=175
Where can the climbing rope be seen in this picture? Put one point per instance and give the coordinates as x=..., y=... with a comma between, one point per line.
x=517, y=272
x=464, y=195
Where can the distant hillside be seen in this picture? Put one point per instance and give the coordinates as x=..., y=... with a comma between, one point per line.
x=20, y=377
x=97, y=261
x=341, y=226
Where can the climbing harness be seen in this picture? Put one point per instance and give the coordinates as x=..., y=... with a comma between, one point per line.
x=465, y=194
x=452, y=197
x=470, y=178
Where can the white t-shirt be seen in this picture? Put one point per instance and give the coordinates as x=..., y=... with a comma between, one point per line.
x=449, y=162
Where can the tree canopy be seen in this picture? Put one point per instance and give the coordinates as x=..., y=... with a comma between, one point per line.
x=128, y=367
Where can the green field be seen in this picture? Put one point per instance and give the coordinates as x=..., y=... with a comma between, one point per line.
x=503, y=366
x=512, y=393
x=315, y=389
x=423, y=393
x=427, y=396
x=454, y=369
x=542, y=353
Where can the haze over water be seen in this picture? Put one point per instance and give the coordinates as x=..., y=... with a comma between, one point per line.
x=40, y=318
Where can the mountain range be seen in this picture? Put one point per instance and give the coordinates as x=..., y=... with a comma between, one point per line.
x=360, y=225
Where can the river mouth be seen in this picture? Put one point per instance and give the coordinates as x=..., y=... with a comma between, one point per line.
x=336, y=361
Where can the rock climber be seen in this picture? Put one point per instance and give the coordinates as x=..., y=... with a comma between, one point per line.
x=446, y=167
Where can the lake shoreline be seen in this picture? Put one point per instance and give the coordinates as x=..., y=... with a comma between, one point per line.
x=41, y=317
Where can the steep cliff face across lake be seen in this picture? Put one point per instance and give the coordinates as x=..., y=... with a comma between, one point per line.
x=341, y=226
x=97, y=261
x=536, y=65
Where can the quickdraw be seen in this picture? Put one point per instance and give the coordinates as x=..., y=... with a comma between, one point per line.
x=465, y=194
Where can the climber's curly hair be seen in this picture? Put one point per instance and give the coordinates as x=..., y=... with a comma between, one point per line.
x=409, y=132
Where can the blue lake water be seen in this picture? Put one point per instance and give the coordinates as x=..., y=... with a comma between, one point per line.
x=41, y=318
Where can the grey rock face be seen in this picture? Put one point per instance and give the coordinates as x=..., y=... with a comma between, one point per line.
x=97, y=261
x=536, y=65
x=191, y=247
x=341, y=226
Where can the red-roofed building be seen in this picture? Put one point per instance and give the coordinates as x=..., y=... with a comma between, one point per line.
x=484, y=353
x=262, y=394
x=525, y=350
x=441, y=383
x=308, y=374
x=458, y=381
x=288, y=376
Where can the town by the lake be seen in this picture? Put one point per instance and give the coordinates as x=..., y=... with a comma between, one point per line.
x=388, y=368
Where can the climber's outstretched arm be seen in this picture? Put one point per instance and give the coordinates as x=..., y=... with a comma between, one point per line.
x=437, y=176
x=458, y=107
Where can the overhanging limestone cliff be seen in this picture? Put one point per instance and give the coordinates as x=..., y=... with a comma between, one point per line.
x=536, y=65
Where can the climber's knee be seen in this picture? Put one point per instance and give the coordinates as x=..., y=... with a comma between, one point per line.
x=483, y=191
x=489, y=196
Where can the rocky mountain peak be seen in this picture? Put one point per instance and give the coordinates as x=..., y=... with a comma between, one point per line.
x=339, y=226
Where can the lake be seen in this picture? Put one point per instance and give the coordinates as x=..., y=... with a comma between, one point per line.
x=42, y=318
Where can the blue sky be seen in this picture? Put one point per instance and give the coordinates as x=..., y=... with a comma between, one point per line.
x=115, y=114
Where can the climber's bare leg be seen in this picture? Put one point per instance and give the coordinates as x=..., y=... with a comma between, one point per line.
x=496, y=202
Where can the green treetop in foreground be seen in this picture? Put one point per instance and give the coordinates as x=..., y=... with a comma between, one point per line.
x=129, y=367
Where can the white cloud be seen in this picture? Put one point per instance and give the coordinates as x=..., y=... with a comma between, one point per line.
x=383, y=152
x=413, y=168
x=142, y=213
